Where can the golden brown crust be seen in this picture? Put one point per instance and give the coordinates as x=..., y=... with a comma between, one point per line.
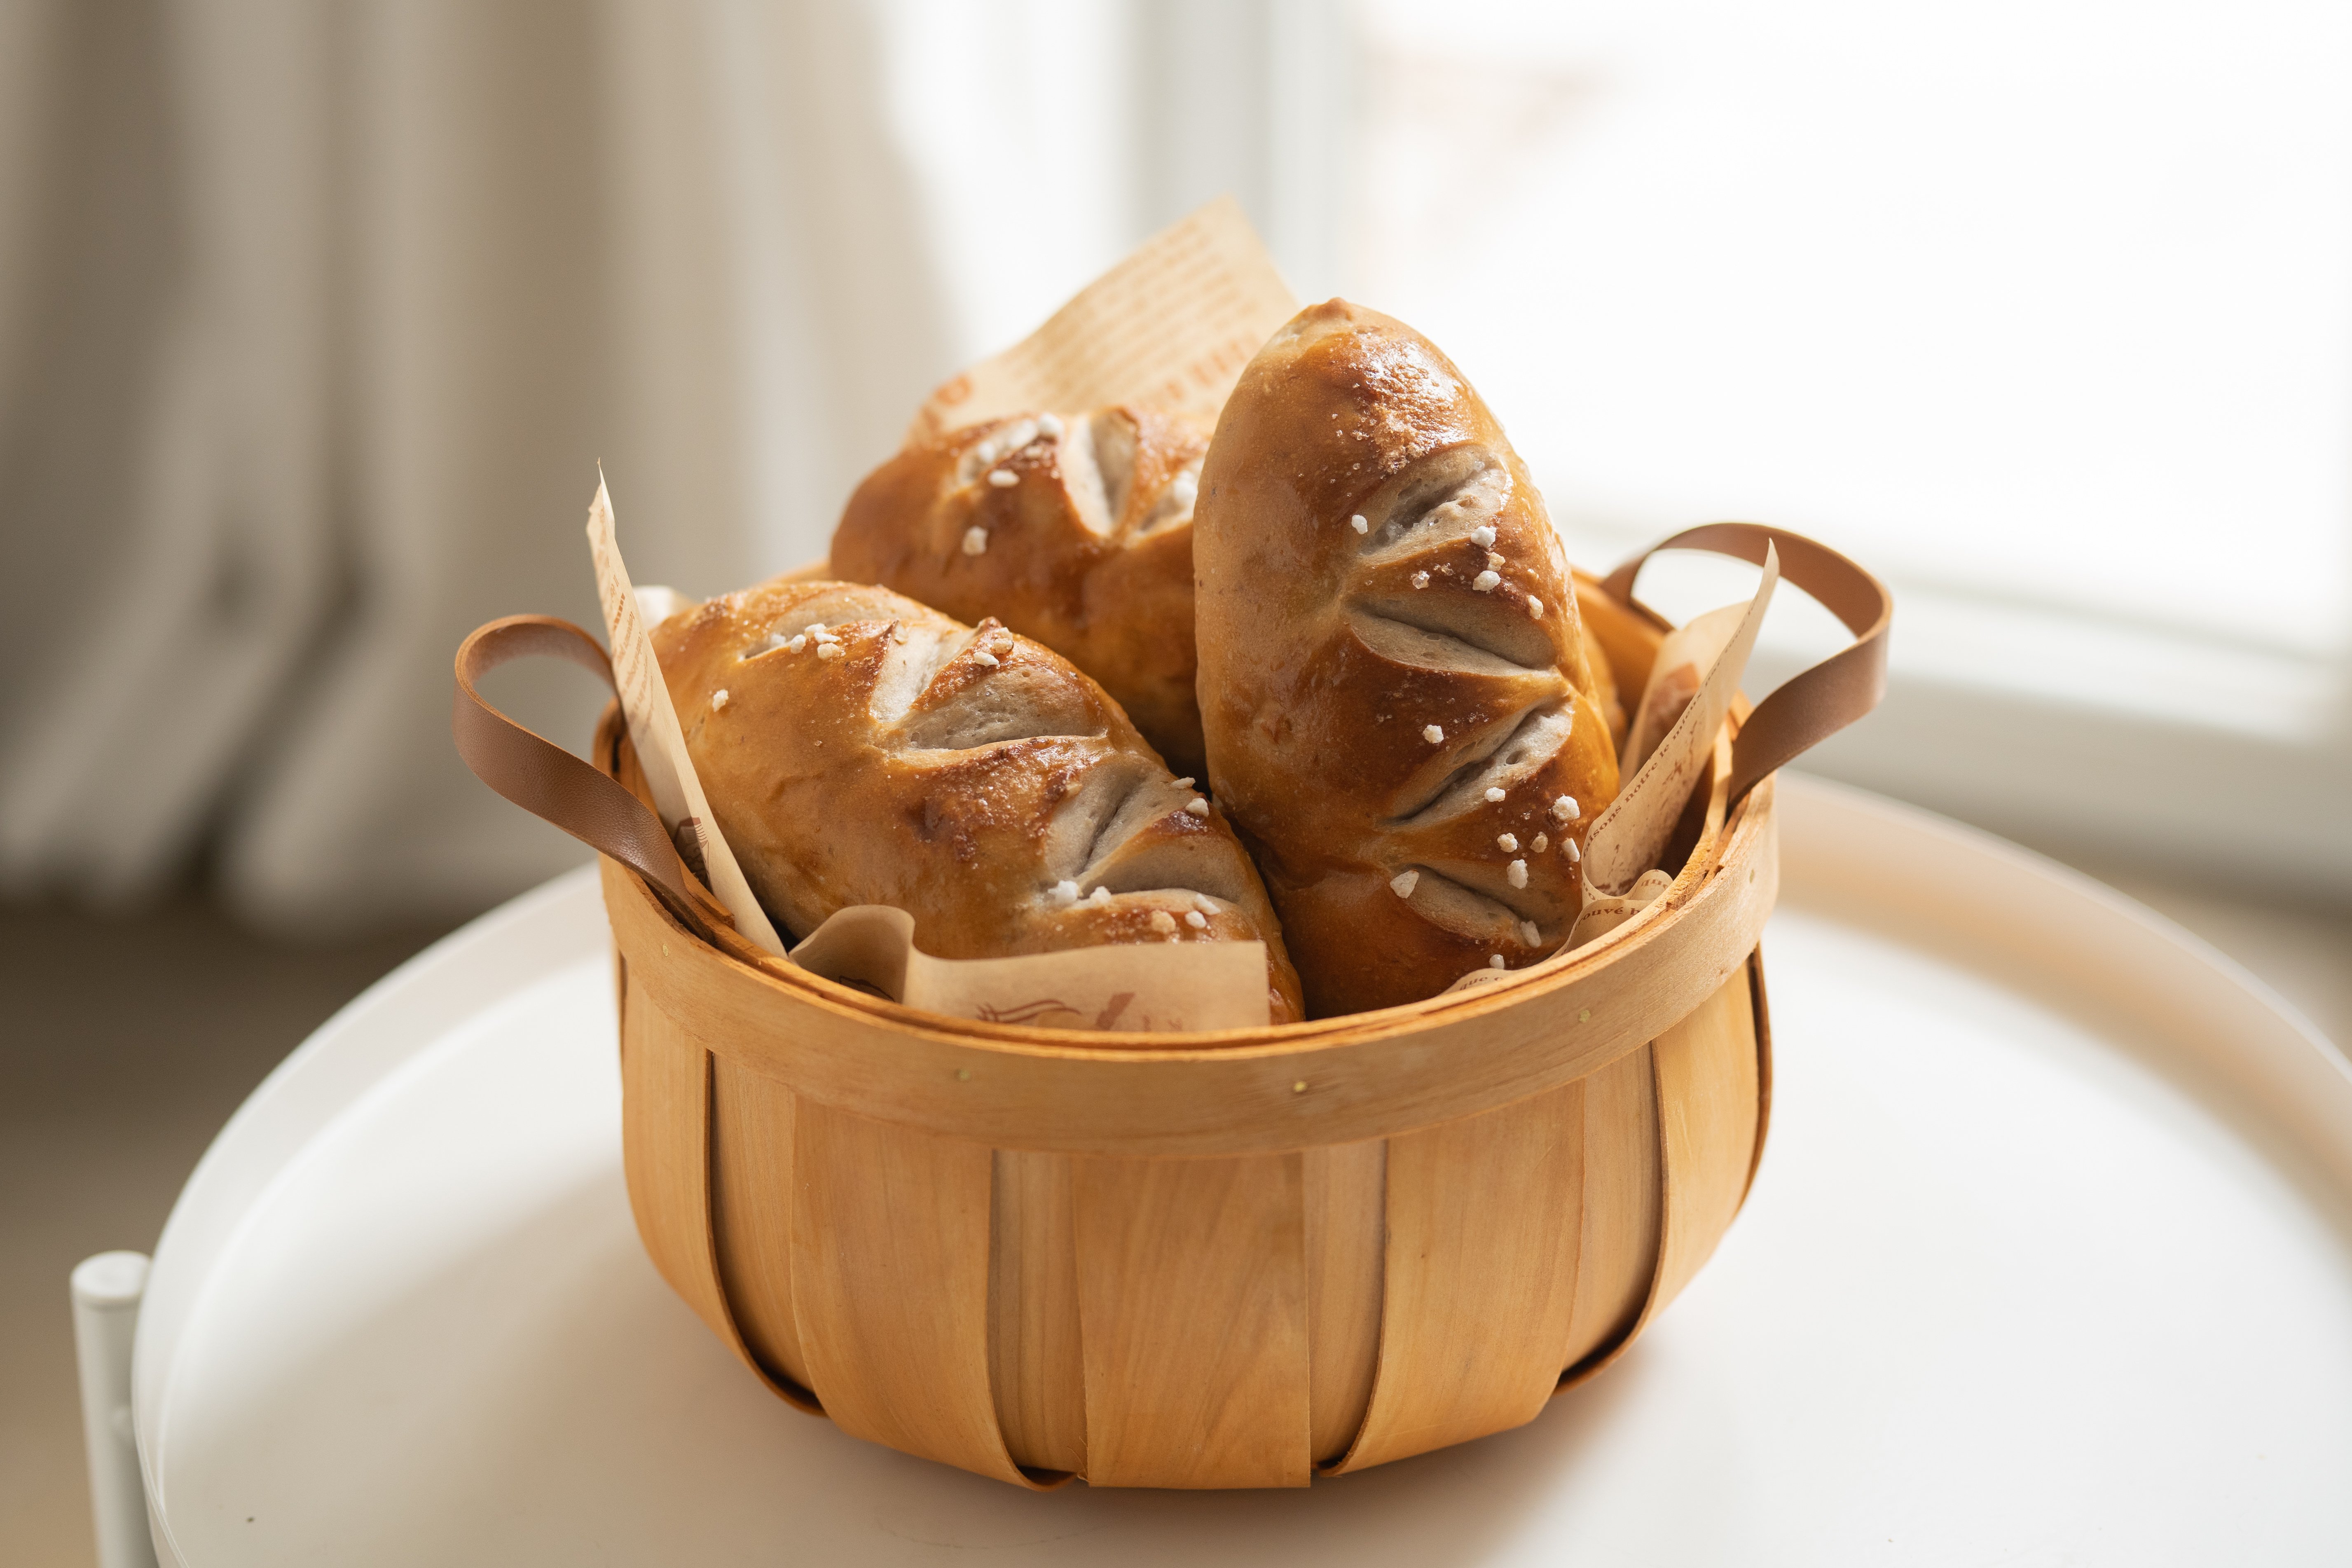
x=1360, y=692
x=962, y=775
x=1089, y=550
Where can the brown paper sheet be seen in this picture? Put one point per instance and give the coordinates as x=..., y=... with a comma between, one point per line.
x=1631, y=834
x=1168, y=328
x=1677, y=673
x=1146, y=988
x=1715, y=647
x=660, y=743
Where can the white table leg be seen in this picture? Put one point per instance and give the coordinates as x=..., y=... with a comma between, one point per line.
x=106, y=1293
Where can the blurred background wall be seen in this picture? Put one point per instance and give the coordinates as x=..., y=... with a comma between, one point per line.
x=316, y=320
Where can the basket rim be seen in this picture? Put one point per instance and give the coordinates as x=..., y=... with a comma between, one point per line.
x=1280, y=1088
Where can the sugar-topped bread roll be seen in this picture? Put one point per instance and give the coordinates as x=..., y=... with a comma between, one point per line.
x=1073, y=529
x=859, y=748
x=1393, y=689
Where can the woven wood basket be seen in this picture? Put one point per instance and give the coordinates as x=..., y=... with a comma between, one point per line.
x=1236, y=1259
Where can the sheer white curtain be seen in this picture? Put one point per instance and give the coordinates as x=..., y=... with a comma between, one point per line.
x=314, y=323
x=316, y=319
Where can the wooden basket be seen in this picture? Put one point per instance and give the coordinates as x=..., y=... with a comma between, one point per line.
x=1235, y=1259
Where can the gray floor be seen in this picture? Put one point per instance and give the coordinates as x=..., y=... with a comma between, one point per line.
x=128, y=1042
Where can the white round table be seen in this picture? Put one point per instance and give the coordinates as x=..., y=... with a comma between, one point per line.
x=2048, y=1261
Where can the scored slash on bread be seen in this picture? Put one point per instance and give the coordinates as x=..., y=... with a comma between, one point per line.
x=860, y=748
x=1395, y=695
x=1073, y=529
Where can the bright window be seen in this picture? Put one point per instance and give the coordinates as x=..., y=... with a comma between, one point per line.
x=2050, y=302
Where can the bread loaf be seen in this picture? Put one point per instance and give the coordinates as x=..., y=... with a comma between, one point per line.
x=1073, y=529
x=1394, y=693
x=858, y=748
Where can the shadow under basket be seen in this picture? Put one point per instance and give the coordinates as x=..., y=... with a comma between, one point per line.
x=1236, y=1259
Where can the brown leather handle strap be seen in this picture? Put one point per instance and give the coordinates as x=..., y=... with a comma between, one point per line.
x=1812, y=705
x=548, y=781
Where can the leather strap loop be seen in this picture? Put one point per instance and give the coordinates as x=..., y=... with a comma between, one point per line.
x=1812, y=705
x=548, y=781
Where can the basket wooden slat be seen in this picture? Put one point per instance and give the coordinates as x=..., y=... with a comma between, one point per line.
x=890, y=1283
x=1192, y=1302
x=666, y=1158
x=1477, y=1296
x=1708, y=1108
x=1035, y=1339
x=751, y=1122
x=1345, y=1194
x=1618, y=1259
